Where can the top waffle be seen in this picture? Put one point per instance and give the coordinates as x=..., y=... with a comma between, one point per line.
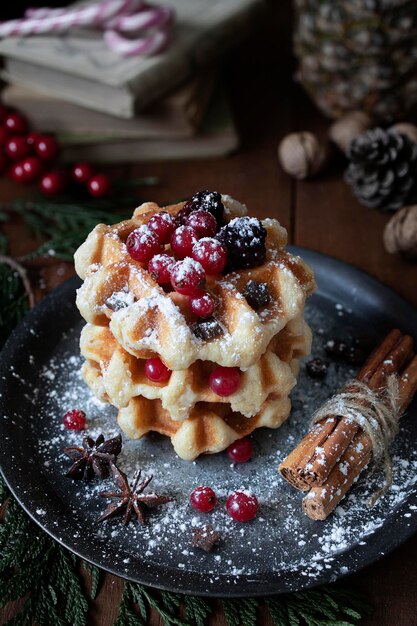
x=147, y=320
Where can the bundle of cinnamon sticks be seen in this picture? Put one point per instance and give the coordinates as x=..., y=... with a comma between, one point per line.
x=335, y=451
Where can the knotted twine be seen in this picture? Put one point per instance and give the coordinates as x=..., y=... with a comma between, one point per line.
x=377, y=414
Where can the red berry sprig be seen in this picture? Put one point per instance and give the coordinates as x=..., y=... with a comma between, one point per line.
x=27, y=157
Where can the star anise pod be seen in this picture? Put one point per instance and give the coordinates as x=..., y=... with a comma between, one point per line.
x=205, y=538
x=130, y=497
x=94, y=457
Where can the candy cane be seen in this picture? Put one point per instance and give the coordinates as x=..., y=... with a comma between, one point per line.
x=145, y=46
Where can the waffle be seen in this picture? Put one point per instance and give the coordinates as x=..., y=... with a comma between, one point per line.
x=209, y=429
x=118, y=376
x=155, y=323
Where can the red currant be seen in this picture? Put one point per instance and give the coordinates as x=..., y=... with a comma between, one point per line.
x=142, y=244
x=27, y=171
x=242, y=506
x=182, y=241
x=187, y=277
x=17, y=148
x=156, y=371
x=160, y=267
x=98, y=186
x=53, y=183
x=75, y=420
x=202, y=306
x=203, y=222
x=224, y=380
x=32, y=138
x=82, y=172
x=5, y=134
x=203, y=499
x=15, y=123
x=211, y=254
x=241, y=450
x=47, y=147
x=163, y=224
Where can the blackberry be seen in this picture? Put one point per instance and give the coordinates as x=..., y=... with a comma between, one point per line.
x=207, y=329
x=316, y=368
x=210, y=201
x=257, y=294
x=244, y=241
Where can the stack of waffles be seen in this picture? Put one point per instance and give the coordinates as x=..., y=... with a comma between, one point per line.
x=131, y=318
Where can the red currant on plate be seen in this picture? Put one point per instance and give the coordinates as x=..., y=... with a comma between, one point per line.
x=241, y=450
x=202, y=306
x=17, y=147
x=75, y=419
x=157, y=371
x=82, y=172
x=242, y=506
x=224, y=380
x=163, y=224
x=53, y=183
x=99, y=186
x=182, y=241
x=47, y=147
x=188, y=277
x=142, y=244
x=203, y=222
x=26, y=171
x=15, y=123
x=160, y=267
x=211, y=254
x=203, y=499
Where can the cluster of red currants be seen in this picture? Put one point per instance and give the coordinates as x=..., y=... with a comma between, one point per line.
x=28, y=157
x=196, y=253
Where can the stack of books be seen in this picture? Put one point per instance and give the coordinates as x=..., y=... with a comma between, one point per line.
x=106, y=108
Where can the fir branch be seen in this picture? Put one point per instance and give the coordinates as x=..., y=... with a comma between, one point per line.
x=197, y=610
x=94, y=576
x=14, y=302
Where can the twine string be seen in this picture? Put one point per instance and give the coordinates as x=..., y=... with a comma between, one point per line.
x=377, y=414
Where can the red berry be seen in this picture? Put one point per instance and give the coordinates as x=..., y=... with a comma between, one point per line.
x=156, y=371
x=4, y=112
x=211, y=254
x=242, y=506
x=27, y=171
x=202, y=306
x=142, y=244
x=224, y=380
x=15, y=123
x=53, y=183
x=98, y=186
x=188, y=277
x=82, y=172
x=160, y=267
x=4, y=163
x=203, y=222
x=163, y=224
x=4, y=135
x=182, y=241
x=17, y=148
x=47, y=147
x=203, y=499
x=32, y=138
x=75, y=420
x=241, y=450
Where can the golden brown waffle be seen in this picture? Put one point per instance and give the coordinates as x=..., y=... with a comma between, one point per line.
x=154, y=322
x=114, y=373
x=209, y=429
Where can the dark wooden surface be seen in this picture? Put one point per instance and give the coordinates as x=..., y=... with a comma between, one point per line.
x=319, y=214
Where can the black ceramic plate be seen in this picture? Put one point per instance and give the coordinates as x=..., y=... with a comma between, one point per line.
x=281, y=549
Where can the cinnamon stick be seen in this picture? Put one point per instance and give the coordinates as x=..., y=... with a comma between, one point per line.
x=311, y=462
x=322, y=500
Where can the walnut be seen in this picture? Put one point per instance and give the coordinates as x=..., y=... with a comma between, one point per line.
x=347, y=128
x=400, y=234
x=409, y=130
x=301, y=155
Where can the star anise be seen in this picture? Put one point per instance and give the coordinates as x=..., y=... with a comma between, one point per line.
x=94, y=457
x=130, y=497
x=205, y=538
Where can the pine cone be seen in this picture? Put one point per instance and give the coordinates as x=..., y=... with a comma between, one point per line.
x=383, y=168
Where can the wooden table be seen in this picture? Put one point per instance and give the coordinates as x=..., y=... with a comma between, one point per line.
x=320, y=214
